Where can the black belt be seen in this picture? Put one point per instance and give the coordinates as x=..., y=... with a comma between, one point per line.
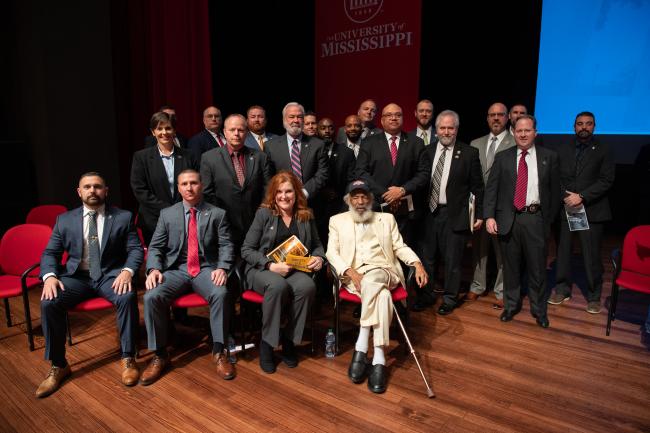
x=533, y=208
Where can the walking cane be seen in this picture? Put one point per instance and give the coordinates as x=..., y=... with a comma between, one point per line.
x=430, y=393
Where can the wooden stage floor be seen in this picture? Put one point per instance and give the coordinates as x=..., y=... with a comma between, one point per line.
x=487, y=375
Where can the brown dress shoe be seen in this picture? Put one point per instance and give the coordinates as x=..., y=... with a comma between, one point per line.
x=471, y=296
x=498, y=304
x=53, y=380
x=130, y=372
x=154, y=370
x=224, y=368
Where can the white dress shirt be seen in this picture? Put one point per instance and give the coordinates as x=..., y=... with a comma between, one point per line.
x=442, y=198
x=532, y=191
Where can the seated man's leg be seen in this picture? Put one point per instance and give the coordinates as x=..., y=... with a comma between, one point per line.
x=128, y=316
x=375, y=312
x=156, y=307
x=54, y=327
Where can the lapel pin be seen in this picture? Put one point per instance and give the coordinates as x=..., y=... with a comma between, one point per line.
x=271, y=228
x=593, y=147
x=456, y=157
x=458, y=152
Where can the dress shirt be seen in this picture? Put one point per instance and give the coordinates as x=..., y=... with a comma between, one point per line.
x=429, y=132
x=221, y=140
x=354, y=146
x=168, y=162
x=389, y=136
x=532, y=190
x=499, y=137
x=289, y=143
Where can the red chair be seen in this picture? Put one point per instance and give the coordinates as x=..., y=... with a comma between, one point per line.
x=21, y=248
x=398, y=294
x=631, y=267
x=92, y=304
x=45, y=214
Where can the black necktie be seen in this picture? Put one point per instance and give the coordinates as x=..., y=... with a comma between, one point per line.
x=93, y=247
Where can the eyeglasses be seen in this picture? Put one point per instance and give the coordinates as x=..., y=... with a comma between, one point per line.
x=212, y=116
x=392, y=115
x=496, y=115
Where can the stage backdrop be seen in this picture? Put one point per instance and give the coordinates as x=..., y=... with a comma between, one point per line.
x=366, y=49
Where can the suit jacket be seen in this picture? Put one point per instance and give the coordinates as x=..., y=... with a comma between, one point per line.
x=169, y=238
x=464, y=178
x=150, y=140
x=481, y=144
x=202, y=142
x=221, y=187
x=313, y=160
x=432, y=140
x=261, y=238
x=342, y=138
x=341, y=246
x=410, y=172
x=149, y=182
x=253, y=143
x=593, y=177
x=120, y=247
x=500, y=190
x=341, y=168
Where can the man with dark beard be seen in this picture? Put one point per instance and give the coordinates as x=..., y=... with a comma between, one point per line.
x=364, y=248
x=586, y=176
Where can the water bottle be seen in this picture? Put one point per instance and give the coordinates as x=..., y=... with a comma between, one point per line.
x=330, y=344
x=231, y=349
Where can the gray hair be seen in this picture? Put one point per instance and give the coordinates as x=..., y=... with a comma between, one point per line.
x=293, y=104
x=447, y=113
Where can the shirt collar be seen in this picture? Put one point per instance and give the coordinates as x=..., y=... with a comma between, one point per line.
x=171, y=154
x=499, y=137
x=100, y=211
x=198, y=207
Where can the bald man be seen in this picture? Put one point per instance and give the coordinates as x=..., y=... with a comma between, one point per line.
x=367, y=112
x=211, y=136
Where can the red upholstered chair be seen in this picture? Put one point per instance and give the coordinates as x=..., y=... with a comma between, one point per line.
x=398, y=294
x=20, y=255
x=45, y=214
x=92, y=304
x=631, y=267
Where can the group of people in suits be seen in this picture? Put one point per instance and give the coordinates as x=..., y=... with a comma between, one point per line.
x=204, y=212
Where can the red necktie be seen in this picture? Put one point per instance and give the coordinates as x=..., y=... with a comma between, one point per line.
x=393, y=149
x=522, y=182
x=219, y=141
x=193, y=266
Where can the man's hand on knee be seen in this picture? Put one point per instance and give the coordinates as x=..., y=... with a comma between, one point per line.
x=154, y=278
x=355, y=277
x=219, y=277
x=50, y=287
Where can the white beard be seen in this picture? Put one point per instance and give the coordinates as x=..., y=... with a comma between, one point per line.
x=365, y=217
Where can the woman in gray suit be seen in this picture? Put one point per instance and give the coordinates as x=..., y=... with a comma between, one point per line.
x=283, y=213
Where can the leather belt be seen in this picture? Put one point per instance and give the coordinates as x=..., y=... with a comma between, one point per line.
x=533, y=208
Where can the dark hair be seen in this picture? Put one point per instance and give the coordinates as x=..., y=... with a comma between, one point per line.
x=92, y=173
x=161, y=117
x=310, y=113
x=585, y=113
x=300, y=209
x=166, y=107
x=189, y=170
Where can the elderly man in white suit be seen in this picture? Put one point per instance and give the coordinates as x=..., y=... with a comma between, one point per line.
x=364, y=248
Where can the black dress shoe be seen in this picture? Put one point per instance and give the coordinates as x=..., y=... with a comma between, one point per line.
x=377, y=378
x=507, y=316
x=358, y=367
x=267, y=364
x=445, y=309
x=357, y=312
x=289, y=355
x=543, y=322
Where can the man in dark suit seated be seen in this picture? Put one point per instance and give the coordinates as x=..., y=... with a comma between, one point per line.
x=294, y=151
x=587, y=172
x=257, y=135
x=179, y=139
x=522, y=198
x=234, y=178
x=455, y=174
x=190, y=250
x=211, y=136
x=104, y=253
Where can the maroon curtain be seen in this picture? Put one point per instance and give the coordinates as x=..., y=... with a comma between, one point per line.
x=161, y=55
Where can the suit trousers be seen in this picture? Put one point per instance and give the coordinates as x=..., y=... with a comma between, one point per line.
x=78, y=288
x=297, y=291
x=376, y=301
x=441, y=241
x=177, y=282
x=590, y=243
x=527, y=239
x=481, y=242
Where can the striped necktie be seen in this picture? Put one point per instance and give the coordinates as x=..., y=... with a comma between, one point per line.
x=295, y=159
x=436, y=180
